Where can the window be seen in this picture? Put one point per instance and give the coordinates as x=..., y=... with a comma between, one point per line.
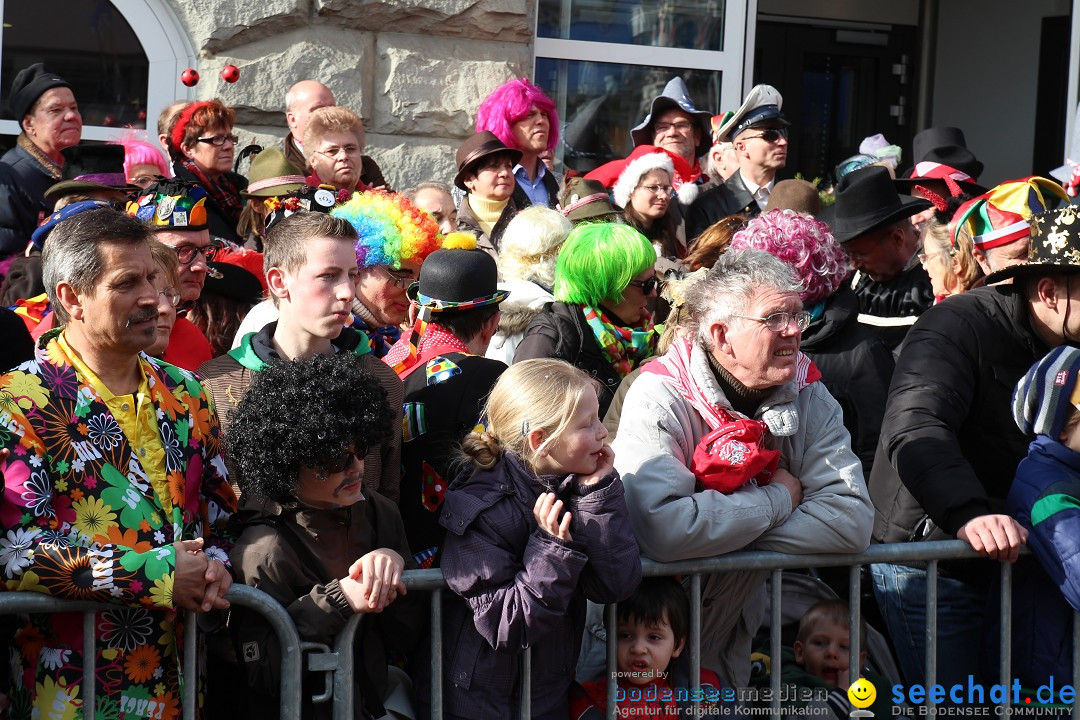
x=123, y=60
x=602, y=62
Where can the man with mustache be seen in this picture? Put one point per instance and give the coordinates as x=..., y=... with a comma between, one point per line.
x=114, y=485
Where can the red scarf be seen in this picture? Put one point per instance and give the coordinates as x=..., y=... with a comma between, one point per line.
x=223, y=191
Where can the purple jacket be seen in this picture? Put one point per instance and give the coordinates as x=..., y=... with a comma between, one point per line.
x=521, y=587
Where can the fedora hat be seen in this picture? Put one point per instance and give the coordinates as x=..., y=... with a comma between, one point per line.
x=675, y=95
x=1055, y=246
x=272, y=175
x=761, y=108
x=476, y=148
x=583, y=199
x=89, y=168
x=866, y=199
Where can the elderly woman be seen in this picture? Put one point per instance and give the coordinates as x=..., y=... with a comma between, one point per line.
x=333, y=144
x=203, y=144
x=855, y=365
x=49, y=119
x=601, y=321
x=527, y=268
x=952, y=268
x=486, y=174
x=739, y=361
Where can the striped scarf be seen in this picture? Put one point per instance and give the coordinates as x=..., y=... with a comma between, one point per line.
x=624, y=348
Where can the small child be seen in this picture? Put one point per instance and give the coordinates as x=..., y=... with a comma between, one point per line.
x=652, y=628
x=538, y=526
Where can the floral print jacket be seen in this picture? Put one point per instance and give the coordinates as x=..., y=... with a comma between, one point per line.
x=79, y=520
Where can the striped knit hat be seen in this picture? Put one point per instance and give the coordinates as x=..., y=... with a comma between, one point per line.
x=1047, y=391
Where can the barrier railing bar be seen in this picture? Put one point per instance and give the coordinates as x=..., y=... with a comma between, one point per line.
x=526, y=683
x=776, y=621
x=695, y=641
x=855, y=638
x=436, y=650
x=611, y=617
x=931, y=625
x=190, y=675
x=344, y=687
x=1006, y=629
x=89, y=629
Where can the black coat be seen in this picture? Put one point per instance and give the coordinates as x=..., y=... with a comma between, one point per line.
x=437, y=417
x=220, y=225
x=890, y=308
x=561, y=332
x=23, y=182
x=856, y=368
x=730, y=198
x=949, y=447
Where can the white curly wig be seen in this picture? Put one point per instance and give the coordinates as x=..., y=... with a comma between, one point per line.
x=530, y=245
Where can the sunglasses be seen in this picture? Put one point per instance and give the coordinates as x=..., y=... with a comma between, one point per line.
x=343, y=463
x=770, y=135
x=647, y=286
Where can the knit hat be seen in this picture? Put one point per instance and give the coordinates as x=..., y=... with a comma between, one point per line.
x=30, y=84
x=171, y=205
x=1043, y=397
x=1001, y=216
x=637, y=168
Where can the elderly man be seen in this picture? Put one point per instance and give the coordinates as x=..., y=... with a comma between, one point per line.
x=114, y=485
x=758, y=133
x=739, y=376
x=301, y=100
x=45, y=107
x=436, y=200
x=673, y=123
x=949, y=446
x=873, y=223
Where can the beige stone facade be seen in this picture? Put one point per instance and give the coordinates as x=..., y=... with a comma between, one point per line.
x=415, y=70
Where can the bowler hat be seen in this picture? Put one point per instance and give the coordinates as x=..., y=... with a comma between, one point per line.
x=1054, y=248
x=675, y=95
x=479, y=146
x=91, y=167
x=30, y=84
x=866, y=199
x=454, y=279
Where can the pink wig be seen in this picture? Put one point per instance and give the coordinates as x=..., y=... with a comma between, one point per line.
x=140, y=152
x=802, y=242
x=513, y=101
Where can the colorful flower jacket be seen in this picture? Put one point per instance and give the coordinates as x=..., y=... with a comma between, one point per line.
x=79, y=520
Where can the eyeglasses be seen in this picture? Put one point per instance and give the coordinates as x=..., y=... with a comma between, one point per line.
x=400, y=280
x=924, y=256
x=681, y=127
x=647, y=286
x=780, y=321
x=186, y=253
x=657, y=189
x=770, y=135
x=333, y=152
x=170, y=294
x=219, y=140
x=340, y=464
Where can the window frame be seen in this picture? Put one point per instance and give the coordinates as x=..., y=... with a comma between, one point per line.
x=168, y=53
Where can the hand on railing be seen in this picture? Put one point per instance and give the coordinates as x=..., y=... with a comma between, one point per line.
x=546, y=511
x=997, y=536
x=792, y=483
x=374, y=581
x=199, y=583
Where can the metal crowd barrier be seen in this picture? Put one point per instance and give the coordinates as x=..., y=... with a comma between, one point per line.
x=240, y=595
x=338, y=662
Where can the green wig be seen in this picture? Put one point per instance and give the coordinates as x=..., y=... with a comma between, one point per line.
x=598, y=261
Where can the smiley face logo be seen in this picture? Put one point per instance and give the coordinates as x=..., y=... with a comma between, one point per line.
x=862, y=693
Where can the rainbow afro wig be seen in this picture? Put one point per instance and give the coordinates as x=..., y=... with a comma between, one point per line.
x=392, y=230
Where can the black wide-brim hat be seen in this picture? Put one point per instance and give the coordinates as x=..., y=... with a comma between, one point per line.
x=866, y=200
x=1054, y=248
x=90, y=168
x=475, y=149
x=453, y=279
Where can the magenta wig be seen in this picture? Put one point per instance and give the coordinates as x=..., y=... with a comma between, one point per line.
x=140, y=152
x=513, y=101
x=802, y=242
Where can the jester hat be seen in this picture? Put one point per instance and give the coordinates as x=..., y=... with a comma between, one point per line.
x=1001, y=216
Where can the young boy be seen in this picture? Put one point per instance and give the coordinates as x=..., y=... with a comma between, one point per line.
x=311, y=275
x=652, y=629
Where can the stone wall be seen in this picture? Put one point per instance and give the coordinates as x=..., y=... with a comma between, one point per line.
x=415, y=70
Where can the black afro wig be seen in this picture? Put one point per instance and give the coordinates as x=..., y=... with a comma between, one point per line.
x=304, y=413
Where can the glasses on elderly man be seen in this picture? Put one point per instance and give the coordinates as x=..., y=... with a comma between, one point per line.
x=680, y=126
x=186, y=253
x=780, y=321
x=219, y=140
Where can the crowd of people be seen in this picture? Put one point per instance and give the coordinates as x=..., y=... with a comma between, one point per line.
x=303, y=381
